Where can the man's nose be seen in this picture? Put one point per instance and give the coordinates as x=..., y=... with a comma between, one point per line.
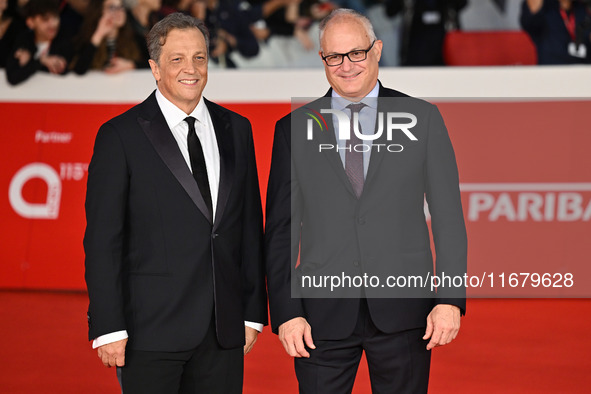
x=347, y=64
x=190, y=68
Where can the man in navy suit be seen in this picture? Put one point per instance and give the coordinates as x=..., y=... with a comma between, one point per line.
x=174, y=231
x=346, y=210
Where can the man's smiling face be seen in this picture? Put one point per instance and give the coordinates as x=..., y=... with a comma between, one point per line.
x=351, y=79
x=181, y=71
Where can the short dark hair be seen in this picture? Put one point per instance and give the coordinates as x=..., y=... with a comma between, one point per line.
x=157, y=36
x=41, y=7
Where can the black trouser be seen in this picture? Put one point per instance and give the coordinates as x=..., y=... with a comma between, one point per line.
x=207, y=369
x=398, y=363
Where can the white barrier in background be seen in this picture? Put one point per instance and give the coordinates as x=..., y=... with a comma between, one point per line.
x=267, y=86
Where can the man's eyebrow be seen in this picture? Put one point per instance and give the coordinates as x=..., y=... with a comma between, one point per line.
x=342, y=53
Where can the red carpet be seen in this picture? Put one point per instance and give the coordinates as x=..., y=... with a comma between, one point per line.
x=504, y=346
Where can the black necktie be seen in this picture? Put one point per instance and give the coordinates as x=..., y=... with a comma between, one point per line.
x=354, y=158
x=198, y=162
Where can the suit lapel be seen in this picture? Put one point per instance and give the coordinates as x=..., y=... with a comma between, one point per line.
x=225, y=140
x=378, y=155
x=154, y=126
x=329, y=137
x=383, y=107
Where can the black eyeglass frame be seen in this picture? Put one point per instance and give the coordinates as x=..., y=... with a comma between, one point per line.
x=342, y=55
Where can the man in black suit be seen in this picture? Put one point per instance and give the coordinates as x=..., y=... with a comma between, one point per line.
x=174, y=231
x=340, y=209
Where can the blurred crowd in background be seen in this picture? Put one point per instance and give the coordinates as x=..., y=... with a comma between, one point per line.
x=61, y=36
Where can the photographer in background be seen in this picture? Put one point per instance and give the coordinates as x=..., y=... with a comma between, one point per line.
x=560, y=29
x=424, y=26
x=108, y=42
x=36, y=48
x=232, y=27
x=11, y=24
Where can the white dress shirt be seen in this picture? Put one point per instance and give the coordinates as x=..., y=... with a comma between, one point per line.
x=175, y=119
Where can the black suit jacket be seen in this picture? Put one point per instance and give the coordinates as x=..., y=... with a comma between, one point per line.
x=156, y=264
x=312, y=211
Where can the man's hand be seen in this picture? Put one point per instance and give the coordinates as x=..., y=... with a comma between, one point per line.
x=304, y=38
x=105, y=26
x=291, y=333
x=251, y=337
x=443, y=324
x=23, y=56
x=54, y=63
x=113, y=354
x=119, y=64
x=220, y=49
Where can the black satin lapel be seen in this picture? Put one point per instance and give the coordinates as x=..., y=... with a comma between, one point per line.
x=225, y=140
x=163, y=141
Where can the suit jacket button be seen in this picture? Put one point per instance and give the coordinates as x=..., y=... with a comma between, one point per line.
x=356, y=263
x=214, y=235
x=361, y=221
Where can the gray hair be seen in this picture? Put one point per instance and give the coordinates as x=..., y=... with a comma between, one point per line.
x=157, y=36
x=345, y=13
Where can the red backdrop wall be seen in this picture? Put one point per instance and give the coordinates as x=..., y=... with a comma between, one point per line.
x=524, y=166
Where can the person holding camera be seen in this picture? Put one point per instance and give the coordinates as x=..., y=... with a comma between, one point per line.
x=560, y=30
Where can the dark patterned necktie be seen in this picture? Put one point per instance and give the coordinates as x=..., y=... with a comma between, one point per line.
x=198, y=162
x=353, y=158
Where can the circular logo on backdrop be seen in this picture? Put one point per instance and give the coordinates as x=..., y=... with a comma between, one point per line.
x=47, y=210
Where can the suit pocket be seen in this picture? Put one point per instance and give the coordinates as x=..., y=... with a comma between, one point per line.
x=308, y=267
x=419, y=262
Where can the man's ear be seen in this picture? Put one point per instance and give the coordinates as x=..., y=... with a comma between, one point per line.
x=155, y=69
x=378, y=44
x=31, y=22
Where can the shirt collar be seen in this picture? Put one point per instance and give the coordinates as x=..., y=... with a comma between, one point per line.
x=370, y=100
x=174, y=115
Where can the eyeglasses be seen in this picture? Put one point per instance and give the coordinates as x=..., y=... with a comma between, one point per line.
x=358, y=55
x=115, y=8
